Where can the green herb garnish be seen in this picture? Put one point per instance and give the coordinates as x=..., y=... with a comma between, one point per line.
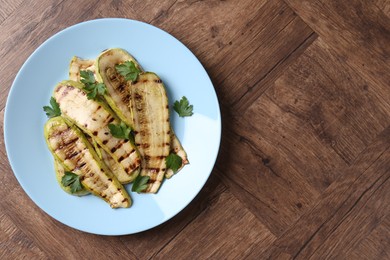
x=128, y=70
x=54, y=110
x=140, y=183
x=73, y=181
x=183, y=108
x=121, y=131
x=174, y=162
x=93, y=88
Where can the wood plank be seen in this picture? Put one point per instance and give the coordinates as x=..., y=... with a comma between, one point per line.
x=120, y=9
x=367, y=213
x=232, y=233
x=271, y=188
x=150, y=11
x=270, y=33
x=308, y=233
x=343, y=108
x=27, y=30
x=14, y=244
x=147, y=244
x=289, y=140
x=8, y=7
x=54, y=237
x=384, y=6
x=376, y=245
x=268, y=80
x=7, y=179
x=357, y=30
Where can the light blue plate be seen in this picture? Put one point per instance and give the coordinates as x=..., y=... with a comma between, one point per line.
x=156, y=51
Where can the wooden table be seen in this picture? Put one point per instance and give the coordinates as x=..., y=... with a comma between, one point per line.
x=304, y=166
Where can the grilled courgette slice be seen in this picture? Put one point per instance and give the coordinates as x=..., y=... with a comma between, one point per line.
x=71, y=149
x=177, y=149
x=77, y=64
x=93, y=117
x=150, y=113
x=118, y=93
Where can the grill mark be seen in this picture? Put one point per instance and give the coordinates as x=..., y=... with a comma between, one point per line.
x=95, y=133
x=105, y=142
x=132, y=167
x=66, y=91
x=121, y=88
x=137, y=96
x=59, y=133
x=146, y=145
x=81, y=165
x=71, y=155
x=119, y=145
x=168, y=132
x=58, y=88
x=167, y=106
x=125, y=199
x=111, y=119
x=158, y=81
x=121, y=159
x=126, y=99
x=106, y=133
x=94, y=112
x=134, y=82
x=70, y=141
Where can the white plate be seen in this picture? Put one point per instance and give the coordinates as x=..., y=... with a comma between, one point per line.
x=156, y=51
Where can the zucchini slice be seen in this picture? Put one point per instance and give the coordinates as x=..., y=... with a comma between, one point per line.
x=93, y=118
x=150, y=112
x=77, y=64
x=118, y=93
x=60, y=172
x=72, y=150
x=178, y=149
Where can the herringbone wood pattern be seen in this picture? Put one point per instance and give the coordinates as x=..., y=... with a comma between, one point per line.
x=304, y=166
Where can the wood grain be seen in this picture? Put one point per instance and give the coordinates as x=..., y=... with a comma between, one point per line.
x=304, y=166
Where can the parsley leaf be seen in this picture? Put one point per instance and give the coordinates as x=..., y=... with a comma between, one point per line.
x=140, y=183
x=174, y=162
x=54, y=110
x=121, y=131
x=128, y=70
x=87, y=77
x=93, y=88
x=73, y=181
x=183, y=108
